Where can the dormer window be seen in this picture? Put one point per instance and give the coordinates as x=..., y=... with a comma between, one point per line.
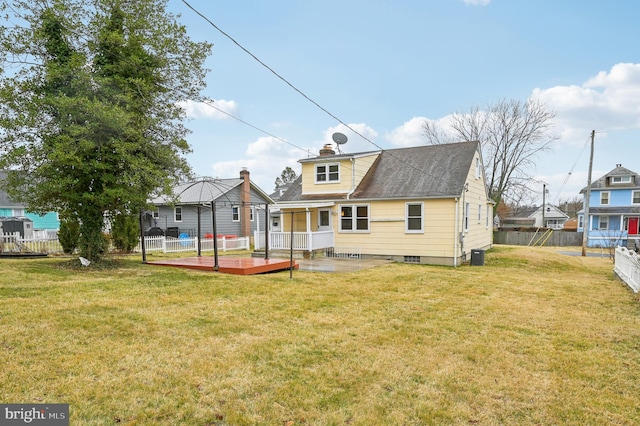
x=328, y=172
x=620, y=179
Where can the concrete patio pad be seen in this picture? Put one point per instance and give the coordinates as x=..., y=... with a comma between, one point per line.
x=326, y=264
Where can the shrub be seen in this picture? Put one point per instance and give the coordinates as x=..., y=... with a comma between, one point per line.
x=69, y=235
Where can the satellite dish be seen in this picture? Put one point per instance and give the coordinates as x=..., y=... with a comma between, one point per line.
x=339, y=138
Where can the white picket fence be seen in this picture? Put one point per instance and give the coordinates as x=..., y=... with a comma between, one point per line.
x=177, y=245
x=14, y=243
x=627, y=267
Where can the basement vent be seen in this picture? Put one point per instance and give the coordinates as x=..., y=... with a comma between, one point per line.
x=412, y=259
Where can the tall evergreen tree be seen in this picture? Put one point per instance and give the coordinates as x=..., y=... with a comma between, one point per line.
x=91, y=121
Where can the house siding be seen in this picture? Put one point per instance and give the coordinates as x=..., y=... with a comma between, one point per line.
x=351, y=174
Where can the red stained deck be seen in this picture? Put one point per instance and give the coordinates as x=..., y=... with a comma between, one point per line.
x=229, y=265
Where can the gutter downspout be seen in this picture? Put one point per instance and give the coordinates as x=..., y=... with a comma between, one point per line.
x=353, y=179
x=455, y=236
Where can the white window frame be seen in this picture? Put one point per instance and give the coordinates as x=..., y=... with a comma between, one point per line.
x=633, y=197
x=354, y=218
x=327, y=173
x=235, y=213
x=608, y=198
x=488, y=216
x=479, y=213
x=322, y=212
x=252, y=213
x=606, y=221
x=620, y=179
x=581, y=221
x=466, y=216
x=156, y=213
x=408, y=217
x=177, y=214
x=478, y=174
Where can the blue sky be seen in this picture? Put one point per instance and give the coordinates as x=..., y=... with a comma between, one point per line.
x=384, y=67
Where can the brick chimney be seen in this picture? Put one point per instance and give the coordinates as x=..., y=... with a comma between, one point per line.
x=327, y=150
x=245, y=208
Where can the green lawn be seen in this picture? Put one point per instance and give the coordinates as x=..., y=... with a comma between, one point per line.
x=531, y=337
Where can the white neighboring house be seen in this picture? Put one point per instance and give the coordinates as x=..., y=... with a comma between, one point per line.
x=539, y=217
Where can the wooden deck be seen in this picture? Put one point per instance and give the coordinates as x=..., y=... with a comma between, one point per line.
x=229, y=265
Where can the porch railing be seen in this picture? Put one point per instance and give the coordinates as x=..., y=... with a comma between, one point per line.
x=301, y=240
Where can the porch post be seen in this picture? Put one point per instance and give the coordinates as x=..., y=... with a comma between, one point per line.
x=199, y=232
x=309, y=233
x=266, y=230
x=142, y=242
x=216, y=266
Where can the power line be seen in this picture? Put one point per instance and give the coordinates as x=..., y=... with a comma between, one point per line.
x=279, y=76
x=300, y=91
x=252, y=126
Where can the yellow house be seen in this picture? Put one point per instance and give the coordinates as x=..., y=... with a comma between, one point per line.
x=425, y=204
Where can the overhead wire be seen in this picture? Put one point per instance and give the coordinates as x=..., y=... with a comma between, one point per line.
x=302, y=93
x=205, y=102
x=279, y=76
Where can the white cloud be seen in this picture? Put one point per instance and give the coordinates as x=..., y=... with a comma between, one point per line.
x=215, y=110
x=355, y=143
x=409, y=133
x=608, y=101
x=265, y=159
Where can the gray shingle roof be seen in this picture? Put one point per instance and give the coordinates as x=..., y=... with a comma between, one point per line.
x=601, y=183
x=431, y=171
x=200, y=191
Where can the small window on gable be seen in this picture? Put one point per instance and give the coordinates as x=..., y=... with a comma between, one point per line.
x=604, y=198
x=327, y=173
x=478, y=171
x=620, y=179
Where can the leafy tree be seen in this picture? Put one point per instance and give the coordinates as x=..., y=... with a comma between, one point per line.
x=512, y=134
x=287, y=176
x=125, y=232
x=90, y=110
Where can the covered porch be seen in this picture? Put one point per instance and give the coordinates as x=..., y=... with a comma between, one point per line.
x=611, y=227
x=301, y=227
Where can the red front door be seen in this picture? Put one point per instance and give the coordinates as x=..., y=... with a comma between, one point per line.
x=633, y=225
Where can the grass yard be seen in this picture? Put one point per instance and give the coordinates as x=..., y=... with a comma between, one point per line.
x=531, y=337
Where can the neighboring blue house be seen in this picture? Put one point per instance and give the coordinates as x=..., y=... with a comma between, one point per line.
x=614, y=209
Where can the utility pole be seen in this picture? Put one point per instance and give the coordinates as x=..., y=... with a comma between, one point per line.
x=585, y=225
